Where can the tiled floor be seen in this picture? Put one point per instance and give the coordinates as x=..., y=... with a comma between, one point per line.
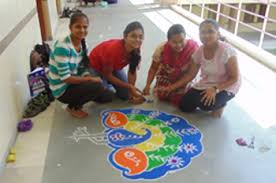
x=215, y=164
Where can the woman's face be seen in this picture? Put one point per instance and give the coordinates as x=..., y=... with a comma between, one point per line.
x=79, y=28
x=134, y=39
x=177, y=42
x=208, y=34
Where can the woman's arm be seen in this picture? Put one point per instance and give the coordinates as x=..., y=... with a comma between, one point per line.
x=232, y=70
x=62, y=57
x=151, y=74
x=132, y=77
x=189, y=76
x=79, y=79
x=209, y=95
x=107, y=73
x=134, y=92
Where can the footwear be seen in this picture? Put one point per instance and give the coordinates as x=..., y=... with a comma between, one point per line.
x=77, y=113
x=36, y=105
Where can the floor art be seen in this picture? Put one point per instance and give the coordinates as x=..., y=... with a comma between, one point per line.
x=146, y=144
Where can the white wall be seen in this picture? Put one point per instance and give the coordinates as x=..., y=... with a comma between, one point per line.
x=12, y=12
x=14, y=92
x=15, y=66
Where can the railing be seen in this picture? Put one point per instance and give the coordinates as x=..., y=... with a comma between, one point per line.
x=265, y=18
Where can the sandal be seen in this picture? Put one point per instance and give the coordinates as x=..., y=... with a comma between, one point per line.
x=36, y=105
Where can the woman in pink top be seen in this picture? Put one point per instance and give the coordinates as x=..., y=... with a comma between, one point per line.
x=219, y=73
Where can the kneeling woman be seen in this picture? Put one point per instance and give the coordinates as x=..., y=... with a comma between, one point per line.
x=171, y=61
x=108, y=59
x=69, y=81
x=219, y=73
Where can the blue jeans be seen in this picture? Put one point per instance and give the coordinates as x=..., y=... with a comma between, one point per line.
x=121, y=92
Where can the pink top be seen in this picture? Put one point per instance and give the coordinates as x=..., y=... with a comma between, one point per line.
x=213, y=72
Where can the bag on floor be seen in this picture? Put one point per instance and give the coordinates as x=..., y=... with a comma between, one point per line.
x=39, y=62
x=44, y=51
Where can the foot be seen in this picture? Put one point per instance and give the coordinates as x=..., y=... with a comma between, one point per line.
x=77, y=113
x=137, y=100
x=217, y=113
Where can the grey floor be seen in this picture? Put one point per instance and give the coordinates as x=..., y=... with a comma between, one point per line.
x=222, y=160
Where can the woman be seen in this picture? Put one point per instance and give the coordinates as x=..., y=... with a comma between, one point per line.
x=69, y=81
x=219, y=73
x=108, y=59
x=170, y=62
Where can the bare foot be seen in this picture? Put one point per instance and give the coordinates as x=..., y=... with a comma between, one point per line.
x=217, y=113
x=77, y=113
x=137, y=100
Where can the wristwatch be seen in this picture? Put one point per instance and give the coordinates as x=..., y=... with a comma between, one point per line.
x=216, y=89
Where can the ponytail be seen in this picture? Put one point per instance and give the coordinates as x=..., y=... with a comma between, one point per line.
x=134, y=60
x=85, y=60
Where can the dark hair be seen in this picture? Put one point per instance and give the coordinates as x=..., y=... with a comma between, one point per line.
x=175, y=29
x=215, y=24
x=210, y=21
x=133, y=26
x=85, y=59
x=74, y=18
x=134, y=56
x=134, y=59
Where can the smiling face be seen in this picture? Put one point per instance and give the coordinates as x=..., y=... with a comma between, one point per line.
x=177, y=42
x=134, y=39
x=209, y=35
x=79, y=28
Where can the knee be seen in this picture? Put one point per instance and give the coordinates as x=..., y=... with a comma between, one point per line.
x=186, y=105
x=211, y=107
x=122, y=94
x=94, y=87
x=187, y=108
x=206, y=108
x=107, y=96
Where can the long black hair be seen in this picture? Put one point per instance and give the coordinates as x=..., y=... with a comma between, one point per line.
x=73, y=19
x=215, y=24
x=175, y=29
x=134, y=56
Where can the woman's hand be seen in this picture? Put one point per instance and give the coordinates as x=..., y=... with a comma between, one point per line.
x=146, y=90
x=92, y=79
x=165, y=91
x=134, y=92
x=209, y=96
x=136, y=96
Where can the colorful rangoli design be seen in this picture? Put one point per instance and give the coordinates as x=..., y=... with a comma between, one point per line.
x=149, y=144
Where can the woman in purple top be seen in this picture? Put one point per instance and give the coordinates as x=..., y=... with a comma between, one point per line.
x=219, y=79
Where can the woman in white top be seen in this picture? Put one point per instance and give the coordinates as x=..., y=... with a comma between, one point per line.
x=219, y=73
